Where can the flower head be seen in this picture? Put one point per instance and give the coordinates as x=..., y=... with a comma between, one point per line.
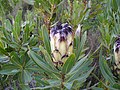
x=117, y=54
x=61, y=41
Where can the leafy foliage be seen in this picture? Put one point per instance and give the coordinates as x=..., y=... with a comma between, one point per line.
x=25, y=53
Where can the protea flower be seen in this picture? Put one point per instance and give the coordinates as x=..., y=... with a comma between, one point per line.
x=78, y=30
x=61, y=40
x=117, y=54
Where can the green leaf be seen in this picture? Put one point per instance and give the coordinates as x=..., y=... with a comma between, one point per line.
x=34, y=68
x=46, y=39
x=116, y=86
x=27, y=76
x=52, y=2
x=29, y=64
x=4, y=59
x=39, y=61
x=11, y=44
x=3, y=51
x=115, y=6
x=85, y=75
x=8, y=26
x=9, y=69
x=1, y=44
x=26, y=33
x=105, y=70
x=78, y=64
x=47, y=87
x=68, y=85
x=6, y=34
x=15, y=59
x=81, y=70
x=68, y=64
x=17, y=26
x=81, y=79
x=47, y=57
x=54, y=81
x=80, y=44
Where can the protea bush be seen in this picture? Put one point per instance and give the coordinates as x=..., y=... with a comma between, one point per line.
x=65, y=66
x=66, y=58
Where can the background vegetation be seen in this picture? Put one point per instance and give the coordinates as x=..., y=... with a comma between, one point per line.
x=25, y=59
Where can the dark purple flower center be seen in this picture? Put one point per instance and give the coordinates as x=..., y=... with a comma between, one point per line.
x=62, y=29
x=117, y=45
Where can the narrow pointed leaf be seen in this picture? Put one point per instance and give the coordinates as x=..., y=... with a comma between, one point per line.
x=46, y=39
x=116, y=86
x=68, y=64
x=81, y=70
x=78, y=64
x=47, y=57
x=80, y=79
x=15, y=60
x=105, y=70
x=3, y=51
x=80, y=44
x=6, y=34
x=27, y=76
x=46, y=87
x=26, y=33
x=39, y=61
x=9, y=69
x=4, y=59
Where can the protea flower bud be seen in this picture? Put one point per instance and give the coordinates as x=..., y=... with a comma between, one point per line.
x=117, y=54
x=78, y=30
x=61, y=40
